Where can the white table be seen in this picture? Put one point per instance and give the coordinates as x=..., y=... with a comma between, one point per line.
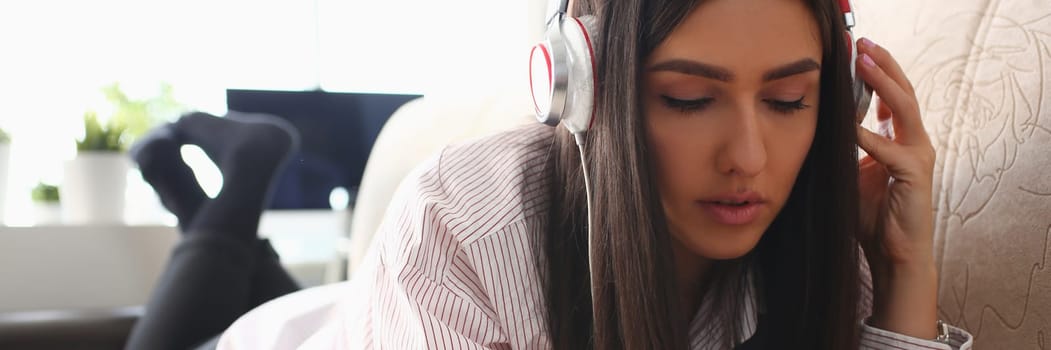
x=113, y=266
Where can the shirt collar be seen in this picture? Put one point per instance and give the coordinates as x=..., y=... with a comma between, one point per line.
x=706, y=335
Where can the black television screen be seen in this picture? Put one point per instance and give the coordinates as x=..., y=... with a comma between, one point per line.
x=336, y=130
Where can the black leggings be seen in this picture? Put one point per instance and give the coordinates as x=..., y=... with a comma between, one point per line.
x=210, y=281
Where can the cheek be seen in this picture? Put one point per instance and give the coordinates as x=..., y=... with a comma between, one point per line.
x=787, y=147
x=786, y=161
x=678, y=149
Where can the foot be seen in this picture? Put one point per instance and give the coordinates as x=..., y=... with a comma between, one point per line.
x=160, y=162
x=249, y=150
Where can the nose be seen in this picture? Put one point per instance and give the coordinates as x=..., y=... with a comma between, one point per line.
x=744, y=151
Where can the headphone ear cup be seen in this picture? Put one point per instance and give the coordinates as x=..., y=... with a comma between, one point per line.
x=540, y=83
x=561, y=74
x=549, y=76
x=862, y=92
x=580, y=98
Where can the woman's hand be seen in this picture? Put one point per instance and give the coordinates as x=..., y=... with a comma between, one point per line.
x=897, y=218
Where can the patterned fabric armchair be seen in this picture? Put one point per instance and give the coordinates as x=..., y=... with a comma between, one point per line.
x=982, y=72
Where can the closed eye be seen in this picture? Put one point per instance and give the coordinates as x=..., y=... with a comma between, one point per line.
x=787, y=107
x=686, y=106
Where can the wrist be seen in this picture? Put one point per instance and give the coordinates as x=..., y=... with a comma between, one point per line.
x=912, y=270
x=887, y=272
x=905, y=300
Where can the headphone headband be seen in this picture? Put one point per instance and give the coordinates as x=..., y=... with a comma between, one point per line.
x=847, y=7
x=563, y=7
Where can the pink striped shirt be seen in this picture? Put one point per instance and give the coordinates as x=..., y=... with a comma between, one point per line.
x=451, y=266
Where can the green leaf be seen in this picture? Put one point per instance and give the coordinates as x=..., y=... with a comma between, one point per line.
x=136, y=117
x=45, y=193
x=131, y=118
x=97, y=138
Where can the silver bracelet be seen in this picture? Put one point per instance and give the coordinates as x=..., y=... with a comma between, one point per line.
x=943, y=333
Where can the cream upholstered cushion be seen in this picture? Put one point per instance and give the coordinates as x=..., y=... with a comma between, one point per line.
x=982, y=72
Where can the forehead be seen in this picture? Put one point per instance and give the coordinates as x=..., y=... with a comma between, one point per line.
x=744, y=35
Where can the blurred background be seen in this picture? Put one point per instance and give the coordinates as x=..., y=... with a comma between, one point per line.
x=145, y=62
x=81, y=81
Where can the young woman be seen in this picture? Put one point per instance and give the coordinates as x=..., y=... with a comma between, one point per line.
x=727, y=206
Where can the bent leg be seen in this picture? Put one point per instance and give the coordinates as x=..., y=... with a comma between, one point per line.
x=207, y=285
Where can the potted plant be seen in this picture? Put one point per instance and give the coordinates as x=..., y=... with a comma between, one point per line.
x=46, y=204
x=5, y=161
x=94, y=181
x=138, y=115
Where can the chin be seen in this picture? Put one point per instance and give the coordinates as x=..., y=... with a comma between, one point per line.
x=722, y=243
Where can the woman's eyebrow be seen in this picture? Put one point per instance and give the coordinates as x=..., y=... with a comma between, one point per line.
x=797, y=67
x=701, y=69
x=693, y=68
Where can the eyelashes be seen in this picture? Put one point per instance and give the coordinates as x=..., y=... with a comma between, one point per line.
x=686, y=106
x=697, y=105
x=787, y=107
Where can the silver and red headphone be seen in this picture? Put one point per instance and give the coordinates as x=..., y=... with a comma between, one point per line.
x=561, y=72
x=562, y=78
x=862, y=92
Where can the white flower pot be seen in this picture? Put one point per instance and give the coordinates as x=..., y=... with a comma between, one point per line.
x=93, y=186
x=5, y=166
x=47, y=213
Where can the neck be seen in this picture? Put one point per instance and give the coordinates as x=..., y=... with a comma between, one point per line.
x=692, y=272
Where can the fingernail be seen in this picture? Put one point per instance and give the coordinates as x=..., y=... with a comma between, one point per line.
x=867, y=60
x=867, y=43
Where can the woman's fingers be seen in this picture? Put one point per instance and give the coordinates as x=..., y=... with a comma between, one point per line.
x=875, y=145
x=872, y=179
x=908, y=163
x=882, y=150
x=887, y=62
x=907, y=123
x=872, y=187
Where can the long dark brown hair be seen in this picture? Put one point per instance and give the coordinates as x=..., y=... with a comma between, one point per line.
x=807, y=260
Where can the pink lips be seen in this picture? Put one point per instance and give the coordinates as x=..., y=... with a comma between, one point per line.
x=734, y=214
